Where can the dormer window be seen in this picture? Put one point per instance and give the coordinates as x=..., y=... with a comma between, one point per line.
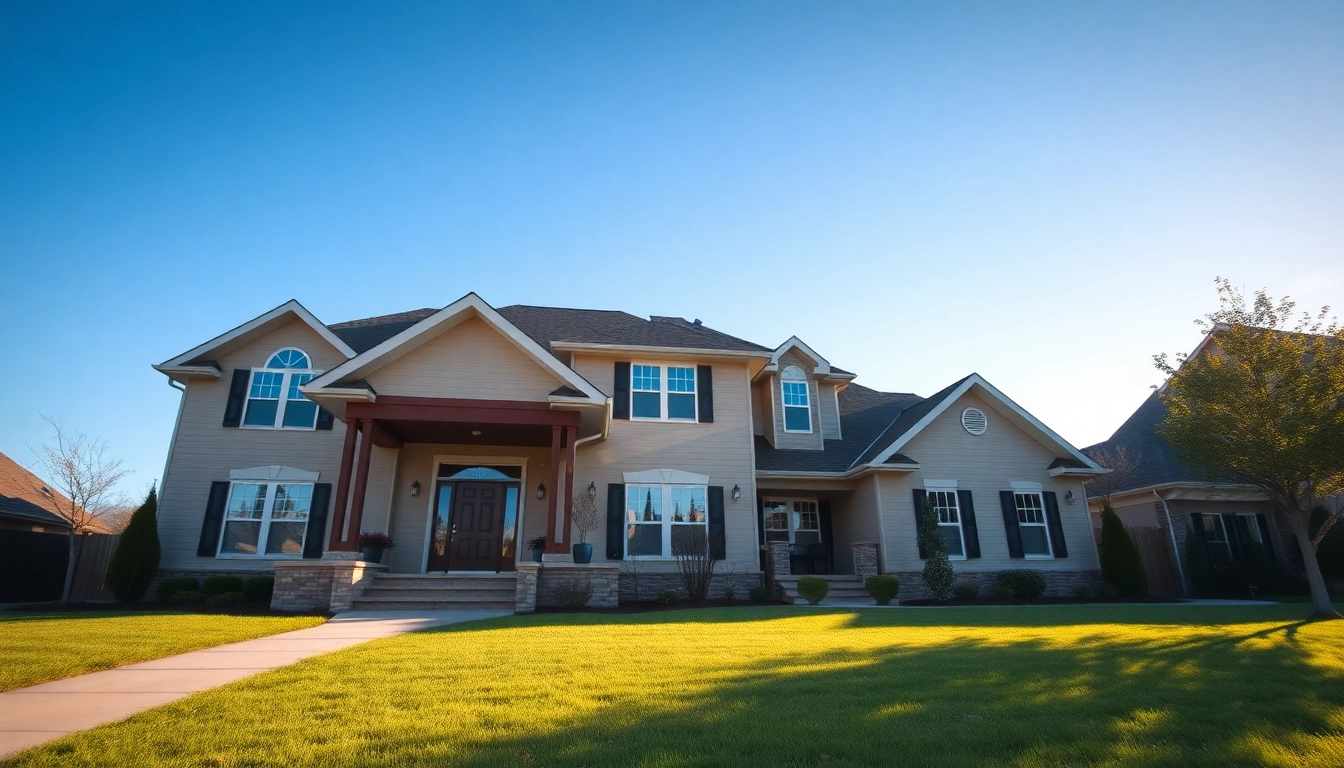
x=797, y=406
x=273, y=397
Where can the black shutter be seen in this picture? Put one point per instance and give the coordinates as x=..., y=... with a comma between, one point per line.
x=317, y=521
x=324, y=419
x=620, y=398
x=1010, y=529
x=760, y=517
x=616, y=515
x=968, y=529
x=920, y=496
x=717, y=540
x=1233, y=533
x=233, y=410
x=824, y=517
x=214, y=519
x=1264, y=535
x=704, y=389
x=1056, y=526
x=1197, y=523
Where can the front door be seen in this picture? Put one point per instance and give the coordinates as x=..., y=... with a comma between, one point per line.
x=475, y=536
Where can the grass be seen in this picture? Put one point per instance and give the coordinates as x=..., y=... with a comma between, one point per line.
x=1023, y=686
x=35, y=648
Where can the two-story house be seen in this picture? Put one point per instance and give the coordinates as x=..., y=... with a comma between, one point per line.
x=467, y=432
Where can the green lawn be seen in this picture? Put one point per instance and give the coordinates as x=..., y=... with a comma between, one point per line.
x=35, y=648
x=1030, y=686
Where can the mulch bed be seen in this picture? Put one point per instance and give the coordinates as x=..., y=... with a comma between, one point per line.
x=648, y=606
x=927, y=603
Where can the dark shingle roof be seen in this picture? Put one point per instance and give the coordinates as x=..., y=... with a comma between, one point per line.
x=546, y=325
x=1155, y=460
x=864, y=414
x=907, y=419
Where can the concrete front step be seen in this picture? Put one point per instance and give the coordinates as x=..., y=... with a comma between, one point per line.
x=436, y=591
x=843, y=588
x=433, y=593
x=436, y=604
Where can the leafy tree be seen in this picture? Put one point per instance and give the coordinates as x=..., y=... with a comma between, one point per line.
x=1199, y=568
x=1262, y=403
x=938, y=575
x=136, y=560
x=1330, y=551
x=1121, y=563
x=1122, y=465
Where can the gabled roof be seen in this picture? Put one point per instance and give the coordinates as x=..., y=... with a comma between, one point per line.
x=25, y=496
x=347, y=374
x=864, y=414
x=821, y=366
x=199, y=361
x=1155, y=461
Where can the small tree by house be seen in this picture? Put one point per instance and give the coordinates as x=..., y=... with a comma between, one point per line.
x=87, y=477
x=584, y=516
x=1263, y=405
x=136, y=558
x=693, y=550
x=939, y=578
x=1121, y=563
x=1330, y=551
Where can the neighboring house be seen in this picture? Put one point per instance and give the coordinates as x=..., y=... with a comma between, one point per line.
x=27, y=503
x=461, y=431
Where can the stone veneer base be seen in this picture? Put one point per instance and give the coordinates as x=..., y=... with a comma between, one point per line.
x=1057, y=583
x=328, y=586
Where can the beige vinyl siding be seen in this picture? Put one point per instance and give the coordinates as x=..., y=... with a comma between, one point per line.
x=984, y=465
x=854, y=520
x=409, y=526
x=471, y=361
x=204, y=451
x=722, y=450
x=797, y=440
x=828, y=414
x=760, y=410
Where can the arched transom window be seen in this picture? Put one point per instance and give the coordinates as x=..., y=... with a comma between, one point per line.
x=273, y=398
x=797, y=404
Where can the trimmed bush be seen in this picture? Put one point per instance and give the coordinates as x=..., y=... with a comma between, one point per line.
x=225, y=598
x=218, y=585
x=574, y=592
x=1109, y=591
x=1121, y=563
x=813, y=589
x=170, y=587
x=883, y=588
x=136, y=558
x=1001, y=593
x=939, y=577
x=258, y=589
x=1082, y=591
x=966, y=590
x=760, y=594
x=187, y=597
x=1023, y=583
x=669, y=597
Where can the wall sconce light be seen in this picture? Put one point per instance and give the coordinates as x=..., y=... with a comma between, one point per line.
x=475, y=433
x=541, y=490
x=592, y=490
x=737, y=492
x=1069, y=497
x=415, y=489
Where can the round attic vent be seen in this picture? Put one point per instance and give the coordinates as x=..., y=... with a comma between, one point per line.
x=973, y=419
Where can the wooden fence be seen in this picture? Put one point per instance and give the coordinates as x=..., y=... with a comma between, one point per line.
x=32, y=566
x=90, y=582
x=1155, y=548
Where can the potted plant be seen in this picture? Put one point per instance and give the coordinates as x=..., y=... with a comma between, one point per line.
x=585, y=520
x=537, y=545
x=373, y=545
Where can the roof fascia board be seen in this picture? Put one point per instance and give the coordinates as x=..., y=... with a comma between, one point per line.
x=1189, y=491
x=576, y=346
x=443, y=320
x=975, y=380
x=847, y=474
x=823, y=366
x=1075, y=472
x=255, y=327
x=188, y=371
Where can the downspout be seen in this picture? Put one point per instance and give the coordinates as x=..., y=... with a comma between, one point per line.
x=172, y=444
x=1171, y=531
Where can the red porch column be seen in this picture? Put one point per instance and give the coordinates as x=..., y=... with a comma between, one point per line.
x=361, y=481
x=570, y=434
x=335, y=540
x=552, y=545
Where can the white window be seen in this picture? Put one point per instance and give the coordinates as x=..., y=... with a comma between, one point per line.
x=266, y=519
x=662, y=520
x=796, y=521
x=1219, y=550
x=794, y=388
x=663, y=392
x=273, y=397
x=949, y=522
x=1031, y=524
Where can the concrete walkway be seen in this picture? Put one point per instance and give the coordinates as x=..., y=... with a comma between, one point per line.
x=40, y=713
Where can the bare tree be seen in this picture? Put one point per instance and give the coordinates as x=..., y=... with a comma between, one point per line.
x=584, y=516
x=1122, y=465
x=86, y=477
x=693, y=549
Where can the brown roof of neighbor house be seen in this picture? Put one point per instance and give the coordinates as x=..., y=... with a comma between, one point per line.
x=25, y=496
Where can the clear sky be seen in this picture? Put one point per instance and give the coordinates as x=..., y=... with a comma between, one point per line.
x=1039, y=192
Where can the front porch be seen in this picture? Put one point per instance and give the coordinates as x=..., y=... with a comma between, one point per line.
x=816, y=527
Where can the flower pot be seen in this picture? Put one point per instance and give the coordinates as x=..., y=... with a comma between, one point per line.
x=583, y=553
x=372, y=555
x=536, y=554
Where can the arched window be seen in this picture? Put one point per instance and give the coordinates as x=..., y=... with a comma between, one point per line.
x=274, y=400
x=797, y=403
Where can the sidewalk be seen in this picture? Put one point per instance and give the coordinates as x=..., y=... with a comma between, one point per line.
x=40, y=713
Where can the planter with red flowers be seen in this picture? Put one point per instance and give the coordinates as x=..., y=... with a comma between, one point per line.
x=373, y=545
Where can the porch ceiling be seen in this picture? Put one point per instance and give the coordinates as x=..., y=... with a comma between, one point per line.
x=468, y=422
x=462, y=433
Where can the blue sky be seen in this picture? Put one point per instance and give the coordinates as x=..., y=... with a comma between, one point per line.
x=1040, y=192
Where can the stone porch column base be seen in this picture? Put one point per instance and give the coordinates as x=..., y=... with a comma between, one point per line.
x=865, y=559
x=329, y=585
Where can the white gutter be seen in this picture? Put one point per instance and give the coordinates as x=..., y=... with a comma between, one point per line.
x=1171, y=530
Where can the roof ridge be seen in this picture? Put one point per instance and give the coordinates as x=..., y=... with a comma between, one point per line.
x=391, y=317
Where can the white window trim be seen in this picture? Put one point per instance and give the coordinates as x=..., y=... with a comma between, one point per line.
x=789, y=514
x=784, y=408
x=663, y=391
x=283, y=401
x=950, y=488
x=1226, y=543
x=265, y=531
x=1019, y=489
x=1253, y=526
x=666, y=522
